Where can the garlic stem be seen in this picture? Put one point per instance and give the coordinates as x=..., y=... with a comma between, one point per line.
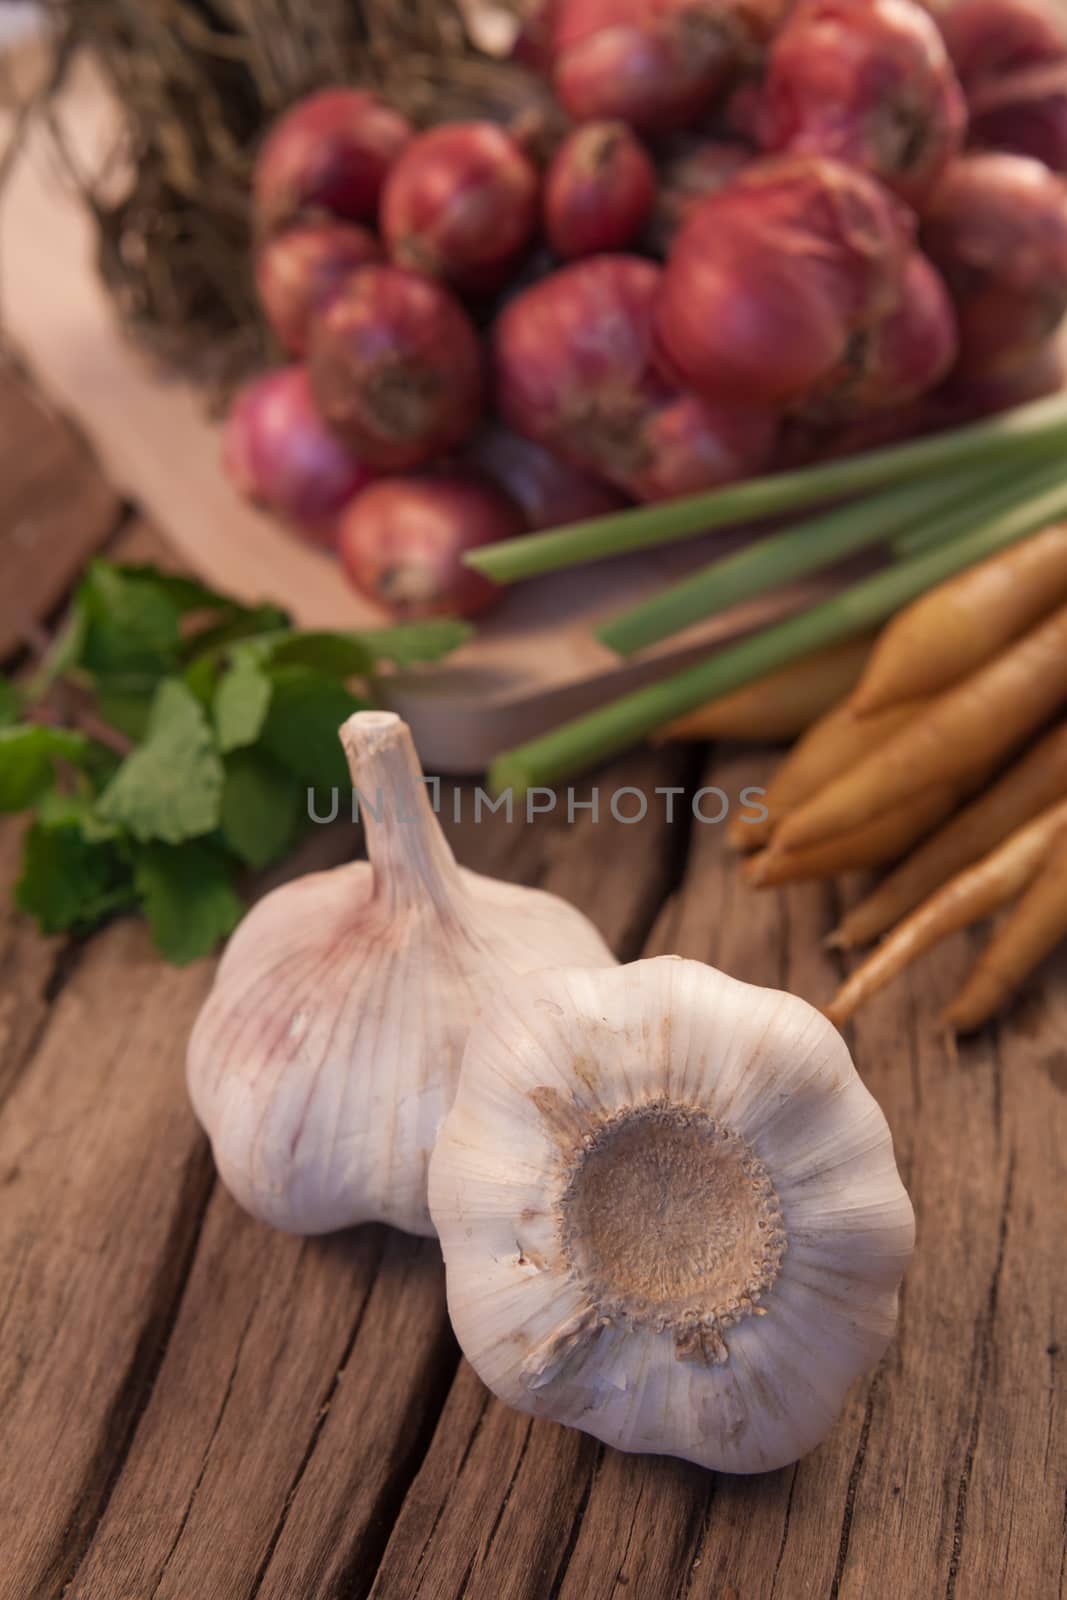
x=412, y=861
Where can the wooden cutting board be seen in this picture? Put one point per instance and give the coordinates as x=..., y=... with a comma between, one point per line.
x=532, y=664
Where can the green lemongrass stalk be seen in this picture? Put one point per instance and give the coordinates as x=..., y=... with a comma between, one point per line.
x=601, y=733
x=795, y=552
x=1038, y=427
x=913, y=541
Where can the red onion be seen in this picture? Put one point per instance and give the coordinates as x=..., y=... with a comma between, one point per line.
x=461, y=204
x=533, y=45
x=902, y=357
x=772, y=279
x=396, y=368
x=991, y=39
x=574, y=370
x=280, y=455
x=549, y=492
x=868, y=82
x=655, y=64
x=1024, y=112
x=804, y=440
x=572, y=358
x=330, y=152
x=299, y=270
x=997, y=229
x=690, y=172
x=687, y=446
x=963, y=399
x=402, y=543
x=598, y=191
x=741, y=115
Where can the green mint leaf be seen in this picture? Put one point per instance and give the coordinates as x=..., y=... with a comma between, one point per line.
x=200, y=678
x=170, y=788
x=11, y=702
x=28, y=753
x=124, y=701
x=246, y=624
x=188, y=898
x=242, y=701
x=301, y=728
x=351, y=655
x=188, y=594
x=69, y=883
x=261, y=807
x=337, y=655
x=58, y=810
x=131, y=623
x=408, y=643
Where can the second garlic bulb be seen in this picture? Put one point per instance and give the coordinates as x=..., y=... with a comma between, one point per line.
x=670, y=1212
x=329, y=1048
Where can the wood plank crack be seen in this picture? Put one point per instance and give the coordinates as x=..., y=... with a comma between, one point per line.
x=506, y=1496
x=320, y=1423
x=785, y=1531
x=457, y=1475
x=576, y=1527
x=136, y=1391
x=853, y=1485
x=220, y=1413
x=984, y=1351
x=64, y=968
x=694, y=1554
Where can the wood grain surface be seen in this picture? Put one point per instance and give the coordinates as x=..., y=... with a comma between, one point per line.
x=193, y=1407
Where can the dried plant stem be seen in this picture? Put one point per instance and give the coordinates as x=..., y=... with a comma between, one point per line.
x=198, y=82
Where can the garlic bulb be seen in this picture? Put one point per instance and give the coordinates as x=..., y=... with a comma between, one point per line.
x=328, y=1050
x=669, y=1211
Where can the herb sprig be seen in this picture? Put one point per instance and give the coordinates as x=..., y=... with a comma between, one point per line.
x=167, y=743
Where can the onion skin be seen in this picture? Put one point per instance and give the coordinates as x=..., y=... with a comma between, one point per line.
x=901, y=358
x=549, y=492
x=772, y=279
x=961, y=399
x=806, y=440
x=598, y=191
x=690, y=173
x=574, y=364
x=396, y=368
x=997, y=229
x=299, y=271
x=461, y=204
x=655, y=64
x=868, y=82
x=280, y=455
x=689, y=447
x=990, y=39
x=402, y=542
x=534, y=42
x=572, y=358
x=1026, y=113
x=329, y=153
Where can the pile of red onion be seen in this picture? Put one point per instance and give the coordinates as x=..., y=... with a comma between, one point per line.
x=773, y=230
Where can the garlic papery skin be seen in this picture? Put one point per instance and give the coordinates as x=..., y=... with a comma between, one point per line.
x=329, y=1048
x=670, y=1212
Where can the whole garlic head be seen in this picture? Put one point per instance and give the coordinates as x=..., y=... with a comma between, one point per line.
x=670, y=1212
x=329, y=1048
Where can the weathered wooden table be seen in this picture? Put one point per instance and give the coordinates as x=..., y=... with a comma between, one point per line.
x=195, y=1408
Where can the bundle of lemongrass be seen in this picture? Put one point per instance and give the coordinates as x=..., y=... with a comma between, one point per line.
x=937, y=506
